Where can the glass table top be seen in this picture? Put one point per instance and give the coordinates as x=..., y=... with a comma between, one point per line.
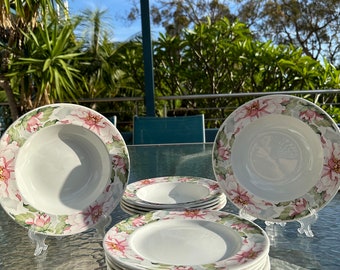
x=289, y=249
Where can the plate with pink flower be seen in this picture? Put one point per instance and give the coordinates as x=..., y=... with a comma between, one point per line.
x=277, y=158
x=63, y=167
x=190, y=239
x=172, y=191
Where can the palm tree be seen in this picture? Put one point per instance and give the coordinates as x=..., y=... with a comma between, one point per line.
x=50, y=70
x=16, y=18
x=101, y=73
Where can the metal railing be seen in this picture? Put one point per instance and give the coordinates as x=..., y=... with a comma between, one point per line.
x=139, y=106
x=212, y=96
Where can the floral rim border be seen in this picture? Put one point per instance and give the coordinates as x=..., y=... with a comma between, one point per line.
x=131, y=189
x=255, y=241
x=31, y=122
x=318, y=196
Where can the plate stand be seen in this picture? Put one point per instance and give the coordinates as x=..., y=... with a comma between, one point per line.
x=39, y=240
x=244, y=214
x=101, y=225
x=305, y=223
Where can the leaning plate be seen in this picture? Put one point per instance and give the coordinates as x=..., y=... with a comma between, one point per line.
x=277, y=158
x=63, y=167
x=202, y=239
x=170, y=191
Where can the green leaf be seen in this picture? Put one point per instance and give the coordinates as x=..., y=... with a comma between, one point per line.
x=47, y=64
x=21, y=218
x=62, y=225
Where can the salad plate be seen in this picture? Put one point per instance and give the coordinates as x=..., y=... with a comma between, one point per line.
x=63, y=167
x=199, y=239
x=170, y=191
x=263, y=265
x=217, y=204
x=276, y=158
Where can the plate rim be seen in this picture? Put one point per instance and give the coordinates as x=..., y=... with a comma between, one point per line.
x=299, y=208
x=132, y=188
x=215, y=205
x=249, y=232
x=62, y=114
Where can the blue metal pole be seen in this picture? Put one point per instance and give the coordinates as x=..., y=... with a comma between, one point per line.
x=148, y=59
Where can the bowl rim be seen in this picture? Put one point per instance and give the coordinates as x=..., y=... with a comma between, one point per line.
x=54, y=114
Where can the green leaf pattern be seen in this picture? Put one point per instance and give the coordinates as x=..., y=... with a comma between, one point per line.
x=317, y=197
x=250, y=234
x=130, y=193
x=55, y=114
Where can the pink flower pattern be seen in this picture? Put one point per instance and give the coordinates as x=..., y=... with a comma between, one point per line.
x=66, y=114
x=223, y=152
x=249, y=251
x=331, y=168
x=256, y=109
x=323, y=190
x=254, y=241
x=40, y=220
x=310, y=115
x=34, y=123
x=240, y=196
x=115, y=245
x=93, y=121
x=184, y=179
x=6, y=168
x=299, y=206
x=93, y=214
x=146, y=182
x=130, y=193
x=214, y=186
x=193, y=214
x=139, y=221
x=253, y=110
x=119, y=163
x=241, y=226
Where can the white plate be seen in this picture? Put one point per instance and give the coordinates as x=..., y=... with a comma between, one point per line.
x=203, y=239
x=63, y=167
x=217, y=204
x=208, y=203
x=112, y=265
x=171, y=190
x=276, y=157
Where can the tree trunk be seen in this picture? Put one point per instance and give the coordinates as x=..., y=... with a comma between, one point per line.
x=4, y=84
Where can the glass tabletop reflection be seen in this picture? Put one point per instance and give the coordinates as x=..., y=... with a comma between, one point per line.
x=289, y=249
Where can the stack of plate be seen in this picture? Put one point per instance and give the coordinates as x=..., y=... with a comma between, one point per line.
x=172, y=192
x=186, y=239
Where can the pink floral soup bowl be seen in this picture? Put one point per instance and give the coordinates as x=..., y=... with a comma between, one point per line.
x=63, y=167
x=277, y=158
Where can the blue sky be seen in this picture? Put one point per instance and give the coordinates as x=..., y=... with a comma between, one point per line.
x=117, y=11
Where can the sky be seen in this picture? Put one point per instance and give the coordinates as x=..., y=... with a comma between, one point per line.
x=117, y=11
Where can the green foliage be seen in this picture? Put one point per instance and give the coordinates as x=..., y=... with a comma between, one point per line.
x=50, y=69
x=100, y=73
x=50, y=61
x=224, y=58
x=127, y=63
